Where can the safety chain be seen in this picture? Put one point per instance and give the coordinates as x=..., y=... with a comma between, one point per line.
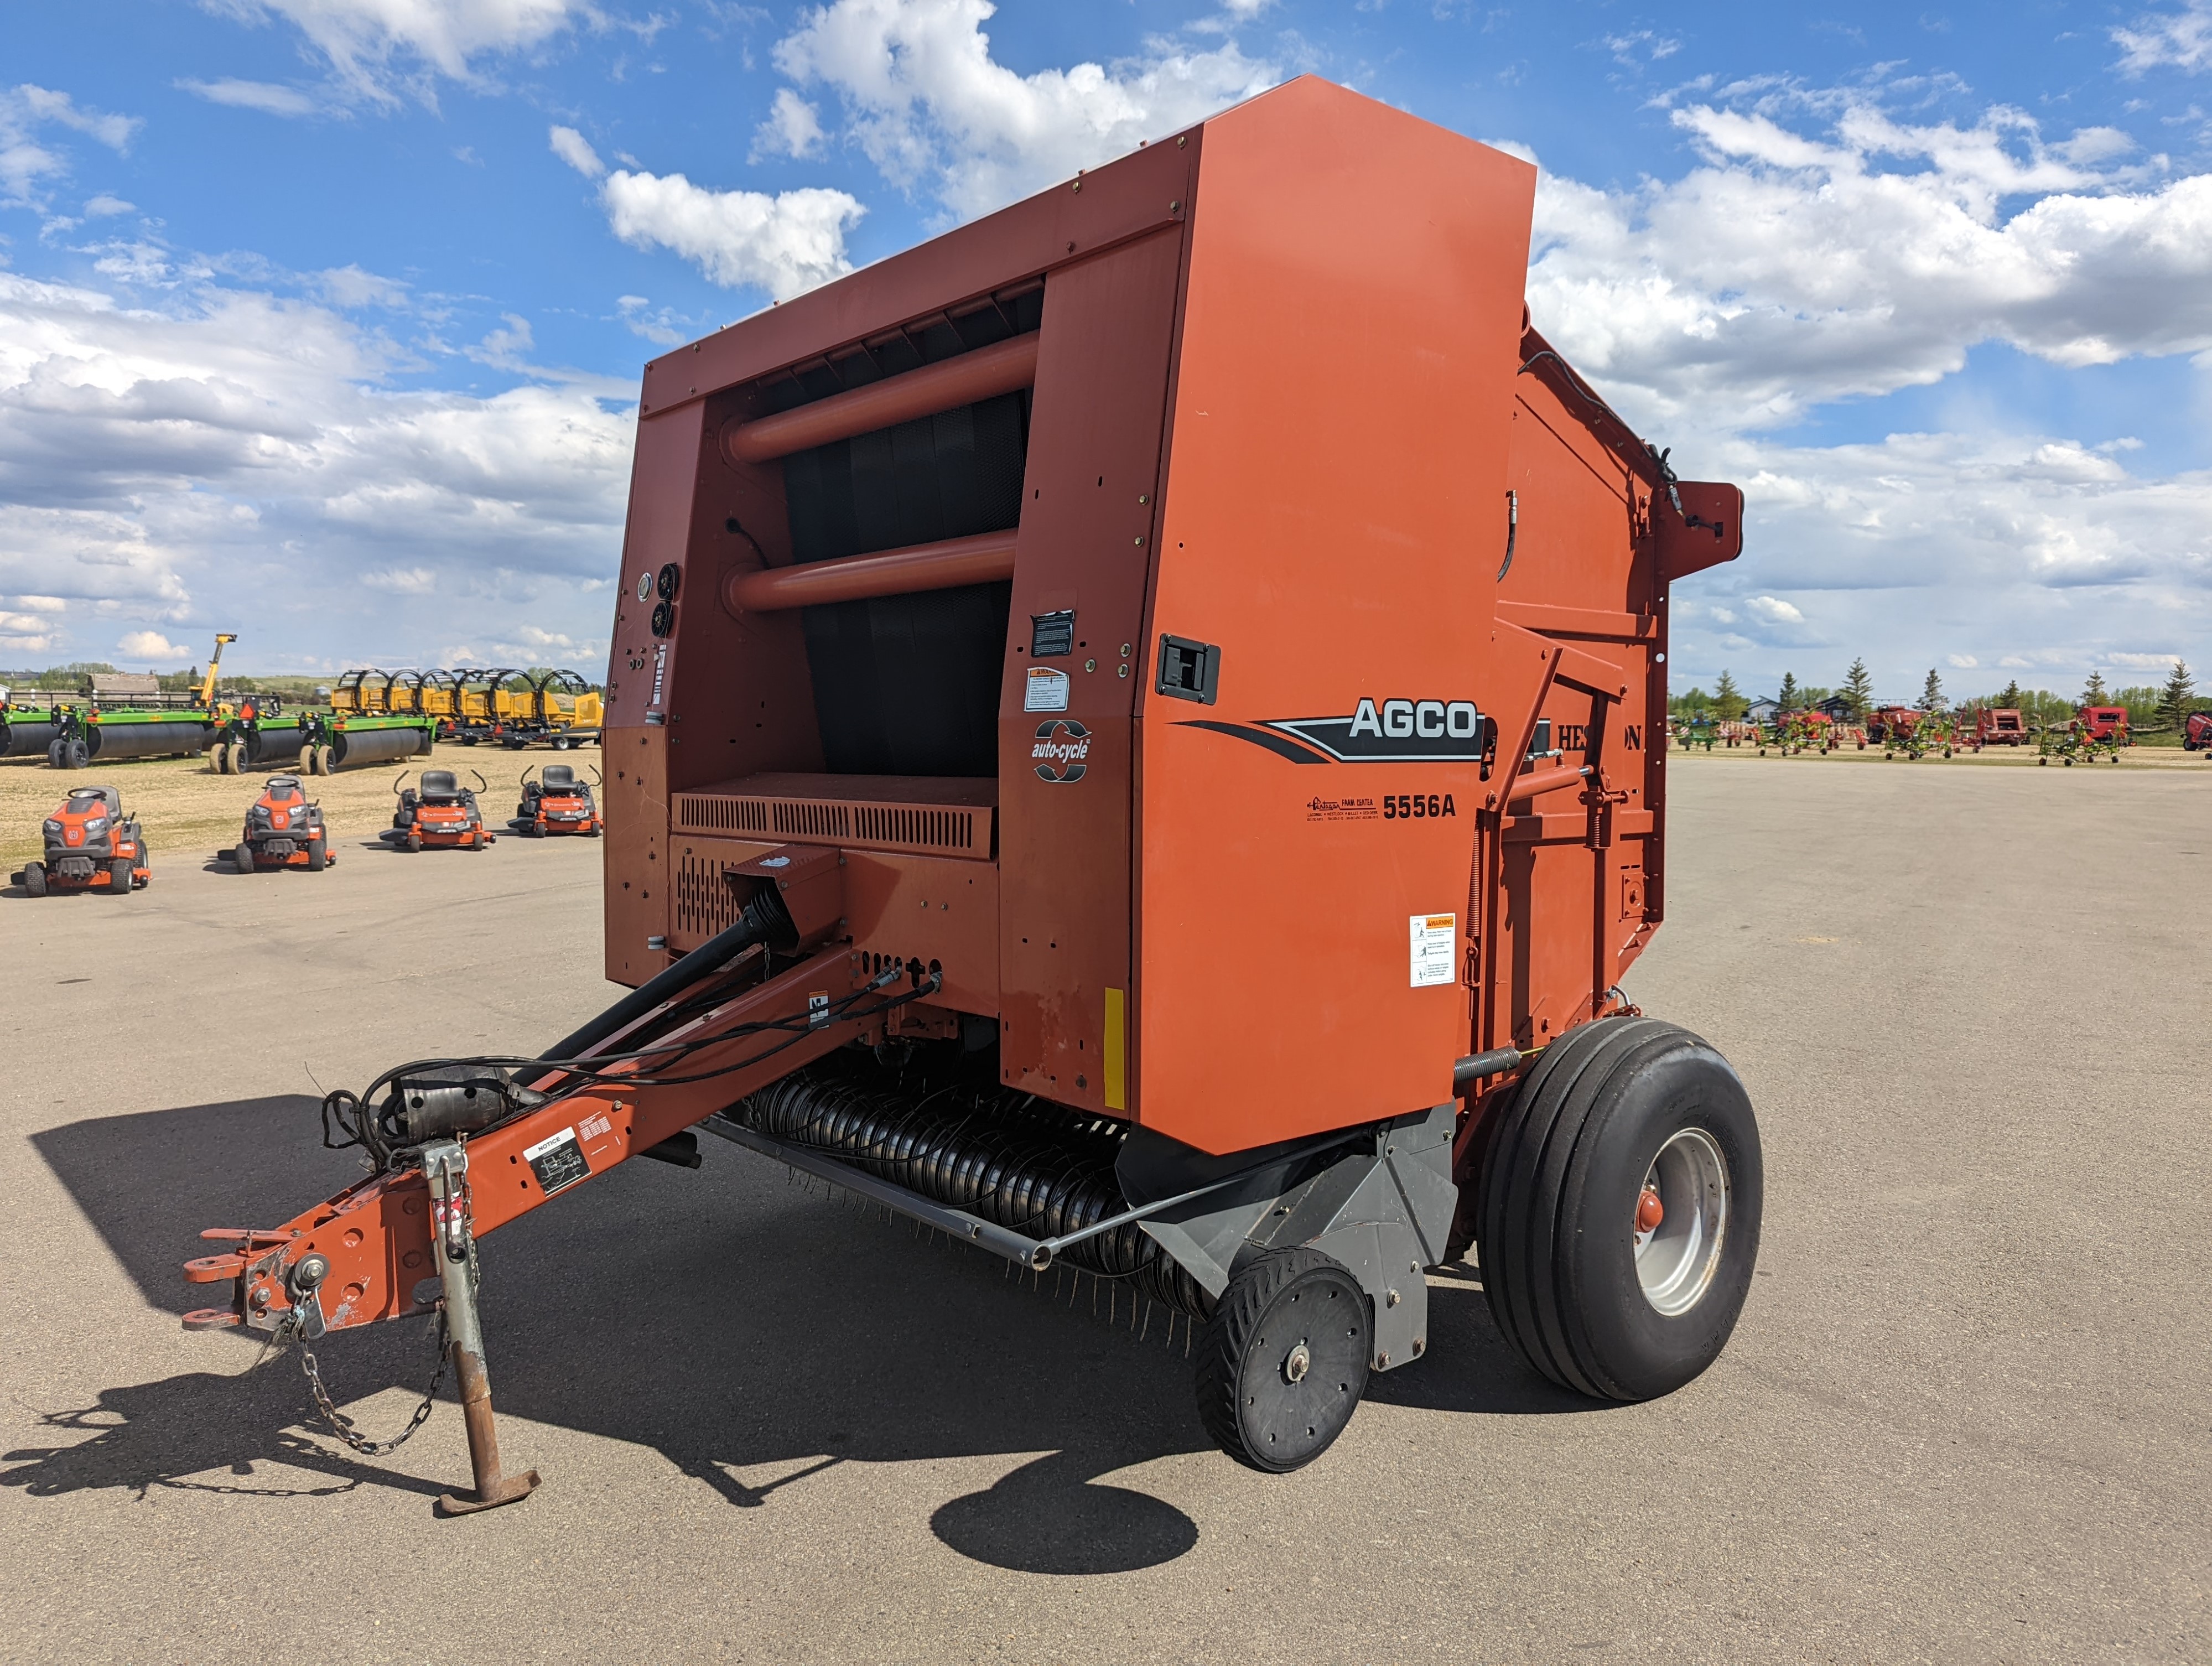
x=342, y=1425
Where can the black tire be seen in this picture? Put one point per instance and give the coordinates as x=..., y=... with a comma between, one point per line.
x=242, y=857
x=119, y=876
x=53, y=754
x=1265, y=1411
x=1563, y=1170
x=319, y=855
x=75, y=755
x=34, y=879
x=220, y=758
x=561, y=743
x=414, y=842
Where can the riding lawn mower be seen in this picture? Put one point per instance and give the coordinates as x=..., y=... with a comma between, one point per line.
x=283, y=830
x=91, y=845
x=442, y=814
x=556, y=802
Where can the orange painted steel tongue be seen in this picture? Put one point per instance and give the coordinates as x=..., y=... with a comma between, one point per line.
x=1649, y=1212
x=445, y=1166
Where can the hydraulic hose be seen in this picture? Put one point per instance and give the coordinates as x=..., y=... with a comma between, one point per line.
x=763, y=920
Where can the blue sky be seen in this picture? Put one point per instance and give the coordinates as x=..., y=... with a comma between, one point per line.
x=320, y=320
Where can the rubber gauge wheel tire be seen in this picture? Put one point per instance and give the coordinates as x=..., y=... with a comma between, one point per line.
x=242, y=858
x=1620, y=1213
x=1283, y=1362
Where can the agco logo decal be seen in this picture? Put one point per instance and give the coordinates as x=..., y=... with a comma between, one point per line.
x=1061, y=746
x=1390, y=731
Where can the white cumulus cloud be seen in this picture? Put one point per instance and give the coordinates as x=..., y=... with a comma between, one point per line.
x=785, y=244
x=229, y=458
x=794, y=128
x=377, y=46
x=2181, y=40
x=149, y=646
x=1791, y=268
x=573, y=148
x=25, y=160
x=930, y=106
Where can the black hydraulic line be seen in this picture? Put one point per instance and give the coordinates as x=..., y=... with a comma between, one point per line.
x=756, y=924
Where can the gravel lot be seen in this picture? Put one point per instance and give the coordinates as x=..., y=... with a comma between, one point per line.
x=1967, y=1416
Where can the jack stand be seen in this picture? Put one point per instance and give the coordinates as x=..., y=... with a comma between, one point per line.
x=446, y=1166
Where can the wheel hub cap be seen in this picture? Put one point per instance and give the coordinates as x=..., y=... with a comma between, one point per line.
x=1679, y=1221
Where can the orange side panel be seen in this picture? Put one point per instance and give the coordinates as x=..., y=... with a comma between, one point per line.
x=1335, y=516
x=663, y=483
x=1091, y=500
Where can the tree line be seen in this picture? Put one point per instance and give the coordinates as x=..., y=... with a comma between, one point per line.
x=2151, y=708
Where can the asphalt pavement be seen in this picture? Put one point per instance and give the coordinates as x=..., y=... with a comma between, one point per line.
x=1967, y=1416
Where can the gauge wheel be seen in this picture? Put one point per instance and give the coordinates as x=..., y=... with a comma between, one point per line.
x=1621, y=1191
x=1283, y=1362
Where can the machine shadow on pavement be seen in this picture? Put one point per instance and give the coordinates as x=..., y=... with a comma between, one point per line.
x=752, y=1331
x=749, y=1330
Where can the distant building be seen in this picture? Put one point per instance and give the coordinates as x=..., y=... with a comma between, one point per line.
x=1762, y=711
x=1836, y=709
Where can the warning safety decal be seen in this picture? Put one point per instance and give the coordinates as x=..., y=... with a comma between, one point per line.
x=1436, y=944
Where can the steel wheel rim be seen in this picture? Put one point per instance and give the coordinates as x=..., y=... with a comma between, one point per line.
x=1676, y=1260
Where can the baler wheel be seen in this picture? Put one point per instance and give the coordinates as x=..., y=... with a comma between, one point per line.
x=1592, y=1297
x=119, y=876
x=242, y=858
x=1283, y=1362
x=34, y=879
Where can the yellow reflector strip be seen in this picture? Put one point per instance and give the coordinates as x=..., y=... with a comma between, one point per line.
x=1117, y=1097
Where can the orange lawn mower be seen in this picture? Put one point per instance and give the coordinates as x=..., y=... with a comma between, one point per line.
x=90, y=845
x=283, y=830
x=556, y=802
x=442, y=815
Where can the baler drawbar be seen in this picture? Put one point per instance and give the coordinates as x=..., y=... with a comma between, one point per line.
x=1126, y=743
